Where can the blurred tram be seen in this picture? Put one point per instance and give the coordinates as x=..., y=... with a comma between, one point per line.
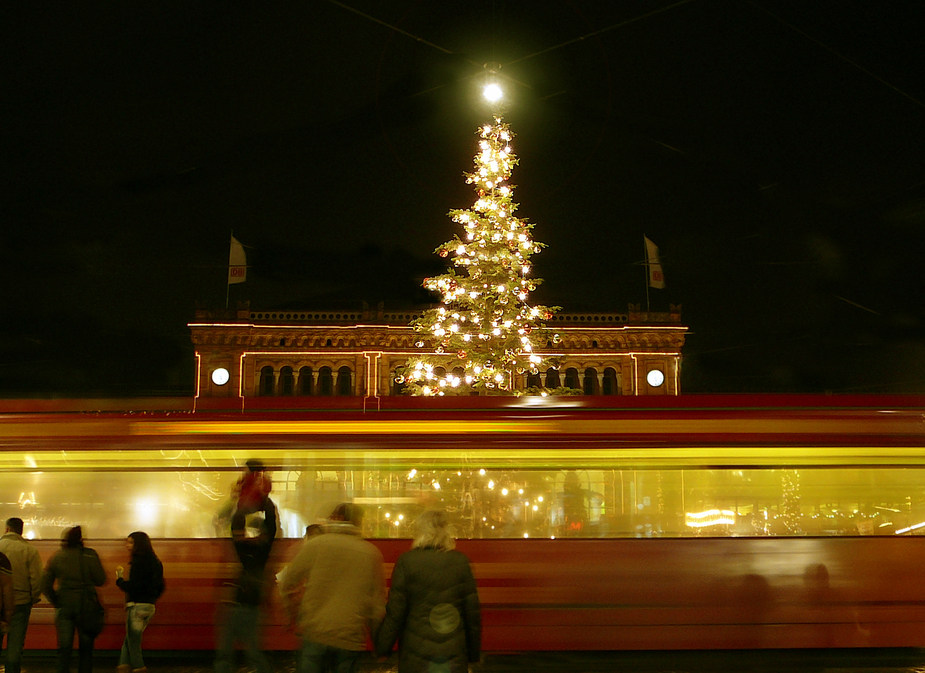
x=692, y=522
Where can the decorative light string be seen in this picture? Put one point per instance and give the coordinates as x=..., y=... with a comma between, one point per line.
x=485, y=331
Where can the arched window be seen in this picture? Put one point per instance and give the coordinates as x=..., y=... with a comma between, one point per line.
x=306, y=384
x=552, y=378
x=267, y=382
x=325, y=382
x=571, y=378
x=344, y=387
x=286, y=384
x=611, y=383
x=590, y=385
x=397, y=388
x=533, y=380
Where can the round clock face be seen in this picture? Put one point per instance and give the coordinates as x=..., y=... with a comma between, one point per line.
x=655, y=377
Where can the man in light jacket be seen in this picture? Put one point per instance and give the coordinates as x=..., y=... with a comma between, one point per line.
x=27, y=588
x=339, y=575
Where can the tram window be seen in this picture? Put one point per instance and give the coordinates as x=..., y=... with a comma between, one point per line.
x=499, y=501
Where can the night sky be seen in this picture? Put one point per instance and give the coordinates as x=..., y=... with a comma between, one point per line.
x=772, y=149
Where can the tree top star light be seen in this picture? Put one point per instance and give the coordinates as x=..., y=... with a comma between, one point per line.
x=483, y=335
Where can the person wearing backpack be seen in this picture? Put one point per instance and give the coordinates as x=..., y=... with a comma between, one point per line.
x=69, y=580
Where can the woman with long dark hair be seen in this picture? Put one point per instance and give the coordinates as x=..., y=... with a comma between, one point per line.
x=71, y=571
x=144, y=586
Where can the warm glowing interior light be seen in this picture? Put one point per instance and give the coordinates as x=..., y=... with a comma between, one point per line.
x=711, y=517
x=492, y=92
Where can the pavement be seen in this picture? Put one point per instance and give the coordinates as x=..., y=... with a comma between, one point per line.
x=904, y=660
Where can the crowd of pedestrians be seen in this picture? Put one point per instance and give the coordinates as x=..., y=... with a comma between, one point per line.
x=69, y=581
x=333, y=590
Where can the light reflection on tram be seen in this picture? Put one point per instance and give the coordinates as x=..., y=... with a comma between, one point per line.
x=682, y=524
x=486, y=503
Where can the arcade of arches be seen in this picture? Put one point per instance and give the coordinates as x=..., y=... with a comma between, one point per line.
x=356, y=353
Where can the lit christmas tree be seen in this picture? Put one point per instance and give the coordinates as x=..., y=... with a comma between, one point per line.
x=790, y=501
x=484, y=332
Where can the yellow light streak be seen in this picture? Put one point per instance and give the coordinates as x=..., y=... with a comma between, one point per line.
x=389, y=457
x=710, y=517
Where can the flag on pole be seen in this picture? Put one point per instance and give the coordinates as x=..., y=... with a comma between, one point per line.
x=237, y=263
x=656, y=275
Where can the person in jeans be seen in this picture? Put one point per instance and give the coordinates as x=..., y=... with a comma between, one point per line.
x=68, y=574
x=144, y=586
x=27, y=588
x=241, y=619
x=339, y=577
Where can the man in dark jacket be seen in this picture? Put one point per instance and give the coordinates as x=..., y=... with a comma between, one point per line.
x=27, y=588
x=242, y=618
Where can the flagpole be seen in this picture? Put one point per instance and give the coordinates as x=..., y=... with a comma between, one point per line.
x=227, y=279
x=645, y=256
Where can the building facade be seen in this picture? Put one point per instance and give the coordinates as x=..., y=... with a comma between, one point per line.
x=248, y=353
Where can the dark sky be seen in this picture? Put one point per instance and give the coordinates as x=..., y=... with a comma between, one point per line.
x=773, y=149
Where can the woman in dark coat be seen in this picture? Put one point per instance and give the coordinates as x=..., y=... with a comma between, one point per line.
x=69, y=572
x=433, y=609
x=144, y=586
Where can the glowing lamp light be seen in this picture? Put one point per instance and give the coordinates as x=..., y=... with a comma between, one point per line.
x=146, y=511
x=220, y=376
x=655, y=377
x=492, y=93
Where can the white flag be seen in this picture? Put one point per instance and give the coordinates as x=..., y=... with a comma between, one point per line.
x=656, y=275
x=237, y=263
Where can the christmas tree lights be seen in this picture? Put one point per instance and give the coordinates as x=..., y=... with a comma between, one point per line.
x=483, y=333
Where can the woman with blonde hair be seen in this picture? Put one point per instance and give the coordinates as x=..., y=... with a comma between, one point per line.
x=433, y=608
